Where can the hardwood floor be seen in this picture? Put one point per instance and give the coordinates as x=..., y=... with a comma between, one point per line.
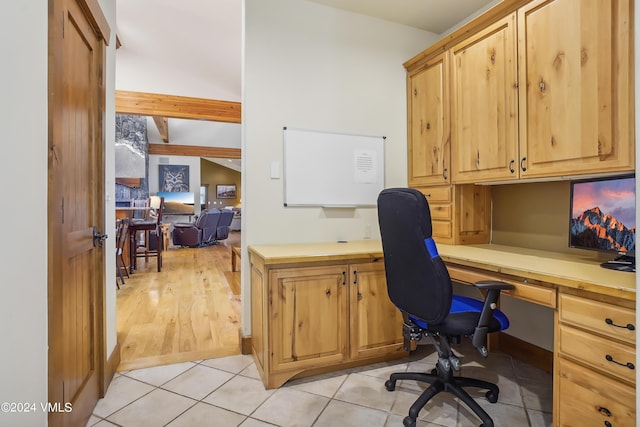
x=189, y=311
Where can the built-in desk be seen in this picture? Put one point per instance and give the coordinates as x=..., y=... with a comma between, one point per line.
x=594, y=325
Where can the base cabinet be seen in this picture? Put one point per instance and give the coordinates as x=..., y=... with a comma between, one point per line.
x=595, y=361
x=308, y=318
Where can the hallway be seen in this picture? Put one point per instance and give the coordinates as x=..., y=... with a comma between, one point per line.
x=189, y=311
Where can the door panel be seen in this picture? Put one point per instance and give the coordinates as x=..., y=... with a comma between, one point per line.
x=76, y=171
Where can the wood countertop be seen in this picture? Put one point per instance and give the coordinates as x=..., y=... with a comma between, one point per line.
x=572, y=271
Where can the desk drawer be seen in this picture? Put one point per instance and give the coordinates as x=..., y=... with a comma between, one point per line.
x=437, y=194
x=590, y=399
x=599, y=317
x=608, y=356
x=537, y=294
x=440, y=211
x=441, y=229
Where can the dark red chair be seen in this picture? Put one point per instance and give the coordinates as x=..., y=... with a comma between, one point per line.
x=150, y=225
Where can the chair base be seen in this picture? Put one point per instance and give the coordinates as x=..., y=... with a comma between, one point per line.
x=444, y=381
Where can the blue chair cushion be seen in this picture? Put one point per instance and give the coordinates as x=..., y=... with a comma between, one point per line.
x=463, y=318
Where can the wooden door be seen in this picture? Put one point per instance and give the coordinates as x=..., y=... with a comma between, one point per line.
x=576, y=91
x=308, y=316
x=484, y=105
x=76, y=197
x=429, y=126
x=376, y=324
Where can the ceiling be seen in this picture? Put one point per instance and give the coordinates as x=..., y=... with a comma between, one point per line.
x=177, y=38
x=436, y=16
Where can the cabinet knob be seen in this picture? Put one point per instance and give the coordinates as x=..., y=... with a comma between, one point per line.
x=628, y=326
x=428, y=125
x=604, y=411
x=522, y=165
x=612, y=360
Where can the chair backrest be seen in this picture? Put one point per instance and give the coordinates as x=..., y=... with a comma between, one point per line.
x=140, y=203
x=121, y=234
x=209, y=225
x=226, y=217
x=418, y=282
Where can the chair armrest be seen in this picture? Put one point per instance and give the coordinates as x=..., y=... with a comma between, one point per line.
x=493, y=284
x=493, y=289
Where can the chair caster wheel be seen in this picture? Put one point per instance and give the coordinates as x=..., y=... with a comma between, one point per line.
x=492, y=396
x=409, y=422
x=434, y=371
x=390, y=385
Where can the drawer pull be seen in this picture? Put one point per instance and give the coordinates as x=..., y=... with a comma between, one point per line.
x=611, y=359
x=628, y=326
x=607, y=424
x=604, y=411
x=344, y=278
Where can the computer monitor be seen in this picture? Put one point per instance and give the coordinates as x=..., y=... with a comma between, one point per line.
x=603, y=218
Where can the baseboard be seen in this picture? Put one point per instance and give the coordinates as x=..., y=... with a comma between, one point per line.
x=110, y=367
x=526, y=352
x=245, y=343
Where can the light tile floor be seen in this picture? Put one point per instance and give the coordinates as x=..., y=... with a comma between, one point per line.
x=228, y=392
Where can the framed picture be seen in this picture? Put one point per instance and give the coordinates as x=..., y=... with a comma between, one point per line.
x=174, y=178
x=226, y=191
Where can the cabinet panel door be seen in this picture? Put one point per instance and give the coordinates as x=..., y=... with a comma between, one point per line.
x=376, y=324
x=429, y=128
x=575, y=87
x=484, y=105
x=308, y=316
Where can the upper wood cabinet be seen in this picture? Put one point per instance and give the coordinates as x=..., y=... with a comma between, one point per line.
x=576, y=90
x=539, y=89
x=429, y=126
x=484, y=104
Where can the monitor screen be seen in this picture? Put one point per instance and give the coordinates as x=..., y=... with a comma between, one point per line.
x=603, y=214
x=180, y=197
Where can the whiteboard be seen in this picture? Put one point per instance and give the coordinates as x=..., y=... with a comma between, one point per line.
x=332, y=169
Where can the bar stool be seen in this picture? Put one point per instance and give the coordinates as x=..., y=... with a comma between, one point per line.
x=148, y=226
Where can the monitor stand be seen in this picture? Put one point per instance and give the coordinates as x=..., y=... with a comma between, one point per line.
x=622, y=263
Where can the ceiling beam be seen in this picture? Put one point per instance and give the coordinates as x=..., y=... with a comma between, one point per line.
x=195, y=151
x=162, y=123
x=178, y=107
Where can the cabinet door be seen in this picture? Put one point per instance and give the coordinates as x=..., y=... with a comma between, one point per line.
x=308, y=317
x=484, y=105
x=429, y=128
x=576, y=111
x=376, y=324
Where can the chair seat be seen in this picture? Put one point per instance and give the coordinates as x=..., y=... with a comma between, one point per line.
x=463, y=318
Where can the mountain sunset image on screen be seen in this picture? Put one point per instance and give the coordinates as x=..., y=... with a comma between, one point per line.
x=603, y=215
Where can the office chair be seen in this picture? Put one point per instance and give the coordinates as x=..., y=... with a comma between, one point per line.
x=418, y=284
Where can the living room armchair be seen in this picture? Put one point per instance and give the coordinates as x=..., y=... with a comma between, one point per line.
x=201, y=232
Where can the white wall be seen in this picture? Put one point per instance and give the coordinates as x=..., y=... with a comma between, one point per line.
x=314, y=67
x=109, y=10
x=23, y=120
